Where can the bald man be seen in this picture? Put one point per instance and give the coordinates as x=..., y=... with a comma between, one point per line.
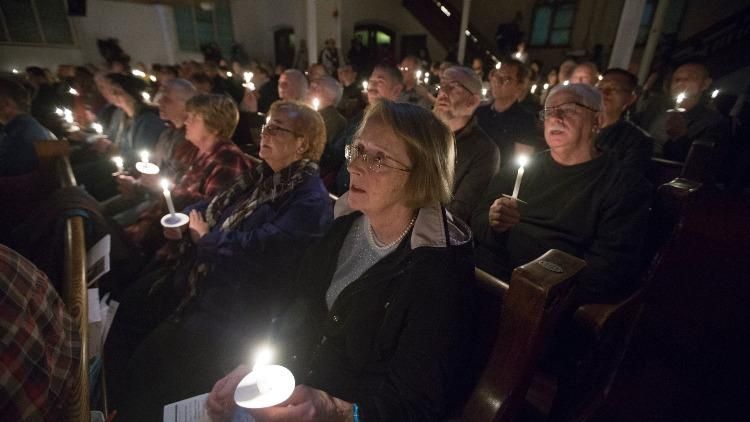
x=675, y=131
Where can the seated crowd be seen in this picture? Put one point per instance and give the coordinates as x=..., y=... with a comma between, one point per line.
x=368, y=299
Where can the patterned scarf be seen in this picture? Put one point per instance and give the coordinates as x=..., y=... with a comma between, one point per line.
x=266, y=187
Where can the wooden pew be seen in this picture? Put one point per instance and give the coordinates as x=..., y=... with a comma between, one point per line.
x=531, y=306
x=610, y=327
x=57, y=172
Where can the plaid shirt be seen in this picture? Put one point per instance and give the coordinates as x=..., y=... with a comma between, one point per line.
x=39, y=348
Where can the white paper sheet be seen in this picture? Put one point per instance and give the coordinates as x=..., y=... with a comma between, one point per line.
x=188, y=410
x=97, y=260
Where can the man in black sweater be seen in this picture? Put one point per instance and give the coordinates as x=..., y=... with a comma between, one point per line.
x=628, y=142
x=575, y=198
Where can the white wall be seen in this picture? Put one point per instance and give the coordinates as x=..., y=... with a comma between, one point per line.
x=137, y=26
x=255, y=20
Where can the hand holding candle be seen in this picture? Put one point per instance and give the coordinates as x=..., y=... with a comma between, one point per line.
x=267, y=385
x=120, y=163
x=144, y=166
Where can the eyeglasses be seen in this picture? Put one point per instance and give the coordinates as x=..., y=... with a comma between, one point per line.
x=275, y=130
x=563, y=111
x=374, y=163
x=503, y=80
x=449, y=86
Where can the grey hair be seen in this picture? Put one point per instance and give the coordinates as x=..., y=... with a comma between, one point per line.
x=586, y=95
x=331, y=87
x=185, y=89
x=298, y=78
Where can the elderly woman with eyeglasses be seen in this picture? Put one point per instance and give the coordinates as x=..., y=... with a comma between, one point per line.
x=377, y=330
x=188, y=323
x=572, y=197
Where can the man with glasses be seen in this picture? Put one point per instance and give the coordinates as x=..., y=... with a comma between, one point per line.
x=413, y=92
x=514, y=130
x=477, y=157
x=385, y=82
x=572, y=197
x=627, y=141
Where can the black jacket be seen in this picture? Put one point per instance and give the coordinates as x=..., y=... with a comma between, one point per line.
x=392, y=342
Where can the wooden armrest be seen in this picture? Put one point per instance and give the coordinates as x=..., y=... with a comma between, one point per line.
x=489, y=282
x=531, y=309
x=75, y=296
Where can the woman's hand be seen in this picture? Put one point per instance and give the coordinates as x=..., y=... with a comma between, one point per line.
x=504, y=214
x=126, y=184
x=307, y=404
x=220, y=402
x=198, y=226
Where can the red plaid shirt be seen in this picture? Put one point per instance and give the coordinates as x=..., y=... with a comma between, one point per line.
x=39, y=346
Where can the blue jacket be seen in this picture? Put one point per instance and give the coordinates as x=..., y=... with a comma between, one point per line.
x=252, y=269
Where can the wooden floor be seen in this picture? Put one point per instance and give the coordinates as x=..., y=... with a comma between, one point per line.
x=688, y=361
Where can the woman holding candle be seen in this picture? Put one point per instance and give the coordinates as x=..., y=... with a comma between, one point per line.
x=377, y=327
x=576, y=198
x=211, y=120
x=234, y=271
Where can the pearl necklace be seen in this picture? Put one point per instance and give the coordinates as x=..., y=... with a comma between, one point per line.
x=398, y=240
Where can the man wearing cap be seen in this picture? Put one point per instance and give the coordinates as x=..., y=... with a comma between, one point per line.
x=477, y=157
x=514, y=130
x=572, y=197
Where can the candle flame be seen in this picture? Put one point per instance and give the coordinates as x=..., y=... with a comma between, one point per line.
x=15, y=71
x=152, y=78
x=364, y=85
x=59, y=111
x=263, y=356
x=600, y=77
x=566, y=82
x=419, y=74
x=680, y=98
x=522, y=160
x=715, y=93
x=247, y=76
x=146, y=96
x=230, y=74
x=98, y=128
x=144, y=156
x=533, y=88
x=72, y=91
x=138, y=73
x=119, y=162
x=484, y=92
x=316, y=104
x=249, y=85
x=498, y=65
x=546, y=86
x=164, y=184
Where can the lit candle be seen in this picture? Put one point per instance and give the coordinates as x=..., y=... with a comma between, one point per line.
x=249, y=85
x=60, y=112
x=263, y=356
x=600, y=77
x=72, y=91
x=316, y=104
x=484, y=92
x=144, y=156
x=168, y=196
x=229, y=74
x=68, y=115
x=15, y=71
x=546, y=86
x=533, y=88
x=247, y=76
x=715, y=93
x=146, y=96
x=138, y=73
x=566, y=82
x=522, y=161
x=97, y=128
x=152, y=78
x=498, y=65
x=678, y=102
x=419, y=75
x=267, y=385
x=364, y=86
x=119, y=162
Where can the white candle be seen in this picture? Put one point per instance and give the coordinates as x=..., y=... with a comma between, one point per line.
x=546, y=86
x=498, y=65
x=230, y=74
x=144, y=156
x=419, y=75
x=68, y=115
x=97, y=128
x=152, y=78
x=60, y=112
x=522, y=161
x=715, y=93
x=72, y=91
x=484, y=92
x=679, y=99
x=364, y=86
x=146, y=96
x=316, y=104
x=247, y=76
x=119, y=162
x=533, y=88
x=168, y=196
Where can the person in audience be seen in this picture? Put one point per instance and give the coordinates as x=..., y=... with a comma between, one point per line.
x=413, y=91
x=234, y=271
x=329, y=56
x=565, y=70
x=41, y=347
x=352, y=101
x=203, y=83
x=266, y=88
x=477, y=157
x=675, y=131
x=172, y=153
x=617, y=133
x=45, y=99
x=585, y=73
x=575, y=198
x=528, y=100
x=385, y=82
x=377, y=329
x=292, y=85
x=514, y=130
x=477, y=65
x=209, y=123
x=316, y=71
x=18, y=131
x=328, y=91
